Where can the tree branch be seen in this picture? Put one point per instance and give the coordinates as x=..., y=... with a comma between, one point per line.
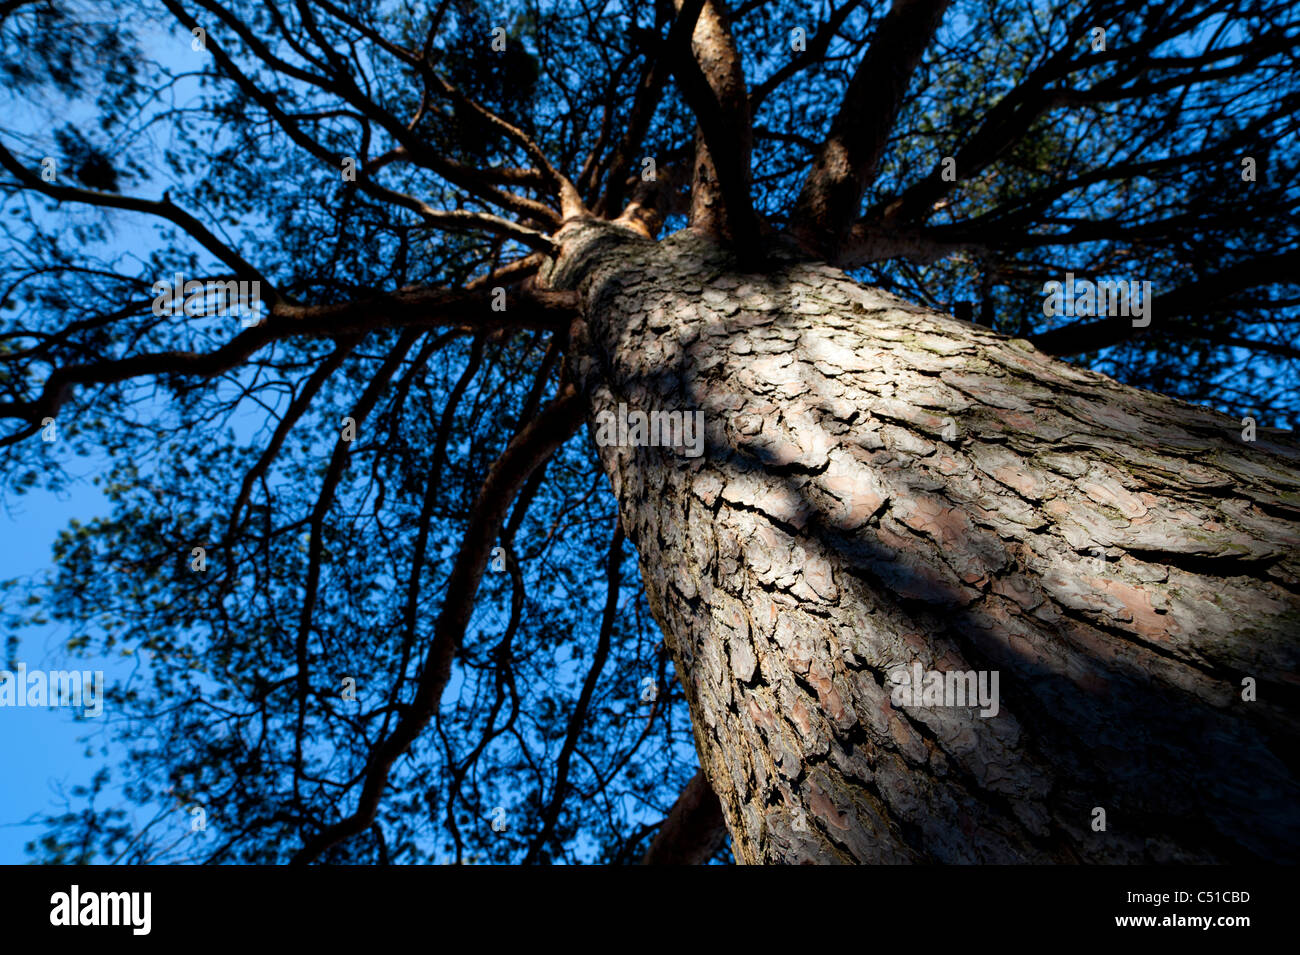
x=531, y=308
x=713, y=84
x=693, y=830
x=1208, y=294
x=528, y=449
x=163, y=208
x=832, y=194
x=578, y=718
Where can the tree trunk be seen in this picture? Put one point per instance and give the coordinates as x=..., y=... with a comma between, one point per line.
x=884, y=486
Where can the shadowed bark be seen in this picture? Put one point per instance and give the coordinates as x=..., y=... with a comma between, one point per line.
x=694, y=829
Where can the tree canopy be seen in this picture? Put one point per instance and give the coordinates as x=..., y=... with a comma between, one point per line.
x=412, y=629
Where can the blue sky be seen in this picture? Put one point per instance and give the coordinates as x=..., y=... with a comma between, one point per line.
x=41, y=749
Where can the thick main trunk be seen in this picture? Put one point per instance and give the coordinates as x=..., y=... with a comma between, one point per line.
x=882, y=485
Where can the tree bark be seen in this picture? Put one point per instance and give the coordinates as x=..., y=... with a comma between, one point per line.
x=693, y=830
x=882, y=485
